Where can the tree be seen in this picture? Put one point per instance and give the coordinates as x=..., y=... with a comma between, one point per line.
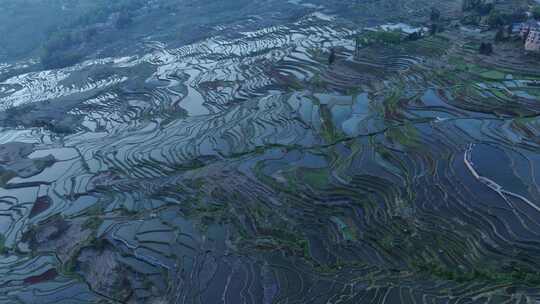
x=469, y=4
x=495, y=19
x=500, y=35
x=486, y=48
x=484, y=8
x=357, y=45
x=59, y=41
x=470, y=20
x=510, y=30
x=435, y=15
x=332, y=57
x=526, y=35
x=480, y=6
x=489, y=48
x=60, y=58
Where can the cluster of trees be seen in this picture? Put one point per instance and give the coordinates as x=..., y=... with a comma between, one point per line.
x=481, y=7
x=63, y=48
x=435, y=28
x=496, y=19
x=536, y=12
x=66, y=45
x=436, y=25
x=105, y=9
x=483, y=10
x=504, y=33
x=486, y=48
x=435, y=15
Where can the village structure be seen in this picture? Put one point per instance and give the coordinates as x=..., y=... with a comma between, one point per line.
x=530, y=33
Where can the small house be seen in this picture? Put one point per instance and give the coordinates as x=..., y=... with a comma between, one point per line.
x=530, y=33
x=532, y=43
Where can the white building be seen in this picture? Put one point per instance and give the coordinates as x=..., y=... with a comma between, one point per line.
x=533, y=40
x=530, y=31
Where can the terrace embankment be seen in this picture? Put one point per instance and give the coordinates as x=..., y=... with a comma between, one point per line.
x=247, y=169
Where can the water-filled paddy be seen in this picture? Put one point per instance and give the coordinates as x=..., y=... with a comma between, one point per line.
x=246, y=169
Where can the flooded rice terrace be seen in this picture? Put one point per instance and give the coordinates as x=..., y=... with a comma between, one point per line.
x=243, y=168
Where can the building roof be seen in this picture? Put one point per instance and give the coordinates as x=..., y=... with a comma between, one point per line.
x=531, y=24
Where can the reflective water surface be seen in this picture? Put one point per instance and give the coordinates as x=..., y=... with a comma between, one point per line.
x=245, y=169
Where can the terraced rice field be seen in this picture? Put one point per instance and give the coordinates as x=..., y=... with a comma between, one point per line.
x=248, y=170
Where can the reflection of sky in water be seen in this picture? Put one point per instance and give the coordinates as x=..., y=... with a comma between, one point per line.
x=495, y=164
x=205, y=168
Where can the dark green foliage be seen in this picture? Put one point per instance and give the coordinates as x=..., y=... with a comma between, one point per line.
x=486, y=48
x=65, y=45
x=484, y=9
x=332, y=57
x=94, y=219
x=381, y=37
x=435, y=15
x=497, y=19
x=59, y=59
x=2, y=244
x=514, y=275
x=479, y=6
x=536, y=12
x=525, y=35
x=433, y=29
x=471, y=20
x=93, y=223
x=59, y=41
x=63, y=48
x=25, y=26
x=499, y=36
x=414, y=36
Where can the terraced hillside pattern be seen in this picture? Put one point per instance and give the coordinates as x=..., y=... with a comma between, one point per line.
x=240, y=167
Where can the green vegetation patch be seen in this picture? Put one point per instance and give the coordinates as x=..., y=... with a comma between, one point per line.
x=2, y=244
x=406, y=135
x=493, y=75
x=381, y=37
x=318, y=178
x=483, y=274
